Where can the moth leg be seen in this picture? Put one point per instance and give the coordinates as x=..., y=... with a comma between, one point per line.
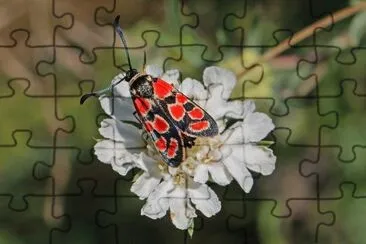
x=137, y=117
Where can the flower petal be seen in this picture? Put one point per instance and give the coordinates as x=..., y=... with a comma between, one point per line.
x=257, y=126
x=204, y=198
x=219, y=174
x=181, y=212
x=171, y=76
x=122, y=132
x=116, y=154
x=254, y=128
x=248, y=107
x=201, y=173
x=150, y=165
x=145, y=184
x=157, y=203
x=259, y=159
x=103, y=150
x=107, y=150
x=235, y=135
x=153, y=70
x=120, y=108
x=122, y=89
x=240, y=109
x=193, y=89
x=216, y=75
x=218, y=107
x=234, y=163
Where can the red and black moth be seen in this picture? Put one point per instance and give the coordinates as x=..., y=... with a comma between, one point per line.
x=171, y=119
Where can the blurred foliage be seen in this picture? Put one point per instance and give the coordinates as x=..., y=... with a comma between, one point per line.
x=29, y=168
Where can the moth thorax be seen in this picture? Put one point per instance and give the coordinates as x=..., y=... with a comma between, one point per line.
x=142, y=86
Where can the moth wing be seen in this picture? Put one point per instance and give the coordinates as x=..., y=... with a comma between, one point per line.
x=167, y=139
x=184, y=113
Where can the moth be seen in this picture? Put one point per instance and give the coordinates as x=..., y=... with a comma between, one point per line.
x=170, y=118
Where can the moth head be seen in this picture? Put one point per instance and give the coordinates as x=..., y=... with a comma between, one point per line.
x=130, y=74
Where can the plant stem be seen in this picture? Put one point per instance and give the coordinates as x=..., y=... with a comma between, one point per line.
x=306, y=32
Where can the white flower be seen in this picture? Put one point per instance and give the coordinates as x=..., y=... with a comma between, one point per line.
x=172, y=189
x=232, y=153
x=228, y=156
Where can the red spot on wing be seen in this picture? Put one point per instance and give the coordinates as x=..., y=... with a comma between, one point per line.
x=176, y=111
x=142, y=105
x=181, y=98
x=161, y=144
x=160, y=124
x=196, y=113
x=148, y=126
x=199, y=126
x=173, y=147
x=162, y=89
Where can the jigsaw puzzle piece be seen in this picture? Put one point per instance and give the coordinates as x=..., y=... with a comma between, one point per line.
x=359, y=53
x=264, y=32
x=276, y=186
x=300, y=112
x=85, y=120
x=85, y=32
x=35, y=17
x=156, y=54
x=101, y=70
x=39, y=115
x=169, y=32
x=328, y=68
x=346, y=207
x=339, y=35
x=33, y=224
x=215, y=229
x=210, y=19
x=81, y=210
x=127, y=222
x=190, y=61
x=283, y=228
x=275, y=80
x=349, y=106
x=329, y=166
x=18, y=168
x=68, y=169
x=304, y=111
x=19, y=62
x=254, y=79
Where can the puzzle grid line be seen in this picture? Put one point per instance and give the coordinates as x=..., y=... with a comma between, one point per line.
x=65, y=131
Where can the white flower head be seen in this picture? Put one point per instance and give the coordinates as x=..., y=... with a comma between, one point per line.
x=166, y=188
x=230, y=155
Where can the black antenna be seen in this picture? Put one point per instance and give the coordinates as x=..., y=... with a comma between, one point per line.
x=120, y=33
x=110, y=88
x=101, y=92
x=86, y=96
x=144, y=65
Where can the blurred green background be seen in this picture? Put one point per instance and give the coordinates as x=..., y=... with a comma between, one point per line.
x=52, y=187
